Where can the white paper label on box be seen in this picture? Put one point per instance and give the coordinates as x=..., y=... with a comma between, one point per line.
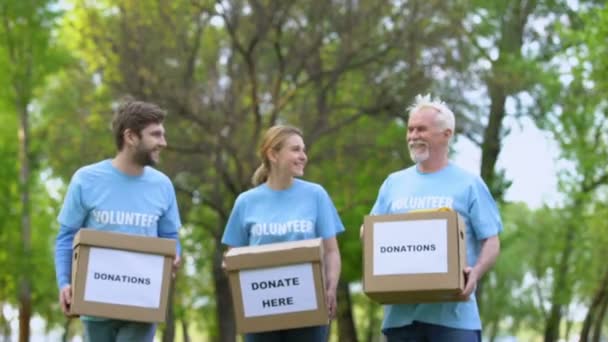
x=124, y=278
x=278, y=290
x=410, y=247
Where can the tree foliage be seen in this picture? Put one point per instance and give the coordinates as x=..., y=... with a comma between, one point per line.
x=344, y=72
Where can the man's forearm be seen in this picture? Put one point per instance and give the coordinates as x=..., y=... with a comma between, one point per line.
x=490, y=250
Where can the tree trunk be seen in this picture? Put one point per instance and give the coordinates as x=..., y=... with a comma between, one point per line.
x=66, y=330
x=599, y=320
x=223, y=298
x=499, y=88
x=185, y=334
x=4, y=326
x=492, y=331
x=589, y=319
x=346, y=324
x=371, y=322
x=490, y=149
x=25, y=292
x=599, y=298
x=557, y=304
x=568, y=329
x=169, y=332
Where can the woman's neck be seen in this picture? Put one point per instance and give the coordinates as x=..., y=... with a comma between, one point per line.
x=279, y=182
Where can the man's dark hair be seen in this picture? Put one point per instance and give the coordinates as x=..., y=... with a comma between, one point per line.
x=135, y=116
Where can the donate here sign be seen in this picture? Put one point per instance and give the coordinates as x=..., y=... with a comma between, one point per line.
x=124, y=278
x=410, y=247
x=278, y=290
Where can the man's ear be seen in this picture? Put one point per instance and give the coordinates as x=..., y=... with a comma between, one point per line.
x=448, y=133
x=130, y=136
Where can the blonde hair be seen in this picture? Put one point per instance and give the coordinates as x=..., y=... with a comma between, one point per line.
x=445, y=117
x=273, y=139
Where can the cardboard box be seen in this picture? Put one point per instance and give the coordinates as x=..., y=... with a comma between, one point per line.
x=121, y=276
x=277, y=286
x=414, y=258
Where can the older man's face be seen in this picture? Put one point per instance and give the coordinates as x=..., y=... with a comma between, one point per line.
x=424, y=137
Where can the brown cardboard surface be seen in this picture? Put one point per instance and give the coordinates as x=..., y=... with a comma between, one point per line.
x=290, y=252
x=87, y=238
x=417, y=288
x=134, y=243
x=272, y=255
x=416, y=297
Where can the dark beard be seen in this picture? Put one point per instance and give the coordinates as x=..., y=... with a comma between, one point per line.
x=143, y=158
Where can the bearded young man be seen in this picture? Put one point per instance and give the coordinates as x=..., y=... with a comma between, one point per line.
x=125, y=186
x=434, y=180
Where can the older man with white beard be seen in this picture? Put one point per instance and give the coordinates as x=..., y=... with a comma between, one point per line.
x=434, y=180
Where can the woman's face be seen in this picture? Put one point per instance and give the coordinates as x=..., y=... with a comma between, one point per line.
x=291, y=158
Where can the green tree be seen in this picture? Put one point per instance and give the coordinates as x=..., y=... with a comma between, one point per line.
x=511, y=46
x=26, y=56
x=578, y=123
x=522, y=277
x=9, y=218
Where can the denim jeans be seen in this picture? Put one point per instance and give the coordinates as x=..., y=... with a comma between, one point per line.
x=426, y=332
x=112, y=330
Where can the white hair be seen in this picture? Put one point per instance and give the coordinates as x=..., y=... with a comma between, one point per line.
x=445, y=117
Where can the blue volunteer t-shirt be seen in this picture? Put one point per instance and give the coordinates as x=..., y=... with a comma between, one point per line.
x=102, y=197
x=262, y=215
x=465, y=193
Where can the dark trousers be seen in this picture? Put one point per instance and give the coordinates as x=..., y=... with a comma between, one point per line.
x=308, y=334
x=426, y=332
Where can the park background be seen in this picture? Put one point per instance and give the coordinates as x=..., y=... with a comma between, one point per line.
x=527, y=80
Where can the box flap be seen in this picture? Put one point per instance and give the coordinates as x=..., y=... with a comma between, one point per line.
x=282, y=253
x=130, y=242
x=420, y=215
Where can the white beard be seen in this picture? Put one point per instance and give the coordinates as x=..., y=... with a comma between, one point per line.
x=418, y=157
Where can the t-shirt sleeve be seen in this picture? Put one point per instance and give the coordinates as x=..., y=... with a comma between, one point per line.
x=235, y=233
x=170, y=222
x=380, y=206
x=74, y=212
x=328, y=221
x=63, y=255
x=484, y=215
x=71, y=218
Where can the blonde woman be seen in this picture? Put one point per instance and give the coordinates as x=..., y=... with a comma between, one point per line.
x=302, y=209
